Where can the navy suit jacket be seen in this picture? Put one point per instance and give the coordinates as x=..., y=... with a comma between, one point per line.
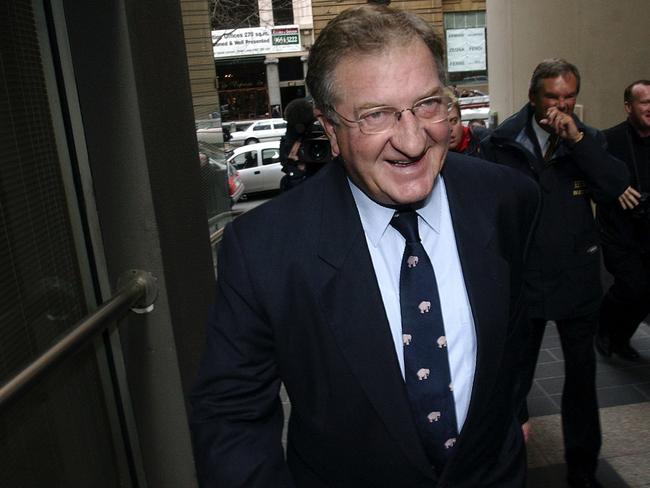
x=298, y=302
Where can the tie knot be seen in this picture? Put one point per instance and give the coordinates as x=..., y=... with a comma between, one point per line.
x=406, y=223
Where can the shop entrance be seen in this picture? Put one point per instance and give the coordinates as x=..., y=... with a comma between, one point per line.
x=242, y=89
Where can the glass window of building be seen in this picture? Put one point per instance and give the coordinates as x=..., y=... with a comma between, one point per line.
x=234, y=14
x=282, y=12
x=466, y=43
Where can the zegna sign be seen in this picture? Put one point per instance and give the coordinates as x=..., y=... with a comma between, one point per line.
x=255, y=41
x=466, y=49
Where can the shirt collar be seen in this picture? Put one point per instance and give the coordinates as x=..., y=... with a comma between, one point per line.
x=375, y=218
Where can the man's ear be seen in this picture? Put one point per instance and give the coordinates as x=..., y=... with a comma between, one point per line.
x=328, y=127
x=628, y=107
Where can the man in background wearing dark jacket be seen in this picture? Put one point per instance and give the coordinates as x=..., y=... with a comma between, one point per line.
x=569, y=161
x=625, y=233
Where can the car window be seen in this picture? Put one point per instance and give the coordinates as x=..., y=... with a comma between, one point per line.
x=262, y=127
x=270, y=156
x=239, y=126
x=245, y=160
x=280, y=125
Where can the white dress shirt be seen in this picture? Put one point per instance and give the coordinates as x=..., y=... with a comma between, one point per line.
x=543, y=137
x=386, y=246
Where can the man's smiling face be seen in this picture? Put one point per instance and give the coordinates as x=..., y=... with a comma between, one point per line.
x=398, y=166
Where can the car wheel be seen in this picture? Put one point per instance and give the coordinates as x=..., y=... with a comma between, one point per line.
x=252, y=140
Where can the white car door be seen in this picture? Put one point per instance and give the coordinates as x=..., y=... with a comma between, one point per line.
x=271, y=168
x=247, y=163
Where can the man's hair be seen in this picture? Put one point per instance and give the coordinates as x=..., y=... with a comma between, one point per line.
x=368, y=29
x=628, y=97
x=455, y=104
x=552, y=68
x=455, y=100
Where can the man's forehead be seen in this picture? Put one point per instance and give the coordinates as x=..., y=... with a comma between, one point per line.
x=349, y=70
x=640, y=91
x=566, y=78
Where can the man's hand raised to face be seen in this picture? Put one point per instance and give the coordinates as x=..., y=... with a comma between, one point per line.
x=561, y=124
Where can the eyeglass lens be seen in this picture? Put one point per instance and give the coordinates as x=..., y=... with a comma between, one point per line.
x=433, y=109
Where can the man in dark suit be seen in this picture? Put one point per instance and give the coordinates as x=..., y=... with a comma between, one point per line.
x=549, y=144
x=314, y=291
x=625, y=232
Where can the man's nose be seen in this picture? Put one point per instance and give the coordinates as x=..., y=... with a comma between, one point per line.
x=408, y=135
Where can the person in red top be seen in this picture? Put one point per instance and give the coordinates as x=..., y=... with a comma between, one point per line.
x=462, y=139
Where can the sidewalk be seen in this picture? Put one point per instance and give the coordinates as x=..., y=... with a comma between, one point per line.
x=624, y=397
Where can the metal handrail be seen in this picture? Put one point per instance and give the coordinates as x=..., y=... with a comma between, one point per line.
x=216, y=236
x=137, y=291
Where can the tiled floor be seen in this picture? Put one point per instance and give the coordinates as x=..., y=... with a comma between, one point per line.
x=624, y=397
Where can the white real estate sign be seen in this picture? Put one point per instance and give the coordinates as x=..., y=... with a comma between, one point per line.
x=255, y=41
x=466, y=50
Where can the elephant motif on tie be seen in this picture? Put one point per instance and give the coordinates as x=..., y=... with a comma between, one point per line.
x=449, y=443
x=433, y=417
x=424, y=307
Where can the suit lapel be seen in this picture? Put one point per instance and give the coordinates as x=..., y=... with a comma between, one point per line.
x=486, y=277
x=353, y=307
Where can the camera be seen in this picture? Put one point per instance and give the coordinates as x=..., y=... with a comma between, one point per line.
x=315, y=147
x=304, y=149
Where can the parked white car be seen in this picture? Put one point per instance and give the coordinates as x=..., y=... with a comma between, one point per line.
x=475, y=107
x=260, y=131
x=259, y=166
x=209, y=130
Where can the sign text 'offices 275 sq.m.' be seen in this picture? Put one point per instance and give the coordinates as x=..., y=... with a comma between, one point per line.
x=255, y=41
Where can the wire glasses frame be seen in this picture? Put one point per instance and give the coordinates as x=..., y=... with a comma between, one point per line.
x=434, y=109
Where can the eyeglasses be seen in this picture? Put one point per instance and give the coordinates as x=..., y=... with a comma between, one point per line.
x=376, y=120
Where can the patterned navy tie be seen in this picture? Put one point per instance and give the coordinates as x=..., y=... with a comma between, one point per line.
x=426, y=363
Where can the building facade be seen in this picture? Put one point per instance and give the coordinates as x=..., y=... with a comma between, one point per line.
x=258, y=79
x=262, y=68
x=460, y=23
x=200, y=61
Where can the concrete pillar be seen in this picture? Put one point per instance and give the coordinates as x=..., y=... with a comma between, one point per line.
x=607, y=41
x=265, y=8
x=273, y=82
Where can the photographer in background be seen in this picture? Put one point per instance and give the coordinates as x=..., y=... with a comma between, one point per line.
x=625, y=231
x=304, y=148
